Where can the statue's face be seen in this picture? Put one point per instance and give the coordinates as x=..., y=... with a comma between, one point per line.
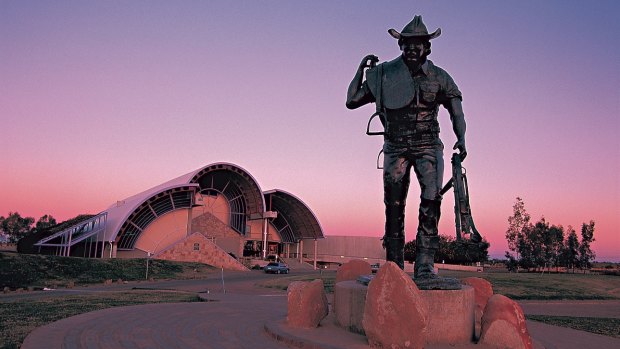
x=414, y=50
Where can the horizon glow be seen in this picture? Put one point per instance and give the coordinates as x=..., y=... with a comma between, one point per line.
x=102, y=100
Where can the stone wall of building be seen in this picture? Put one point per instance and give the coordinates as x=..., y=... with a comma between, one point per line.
x=199, y=248
x=345, y=247
x=222, y=234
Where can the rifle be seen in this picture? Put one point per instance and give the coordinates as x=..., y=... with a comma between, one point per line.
x=462, y=210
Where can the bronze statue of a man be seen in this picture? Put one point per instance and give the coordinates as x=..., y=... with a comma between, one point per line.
x=408, y=91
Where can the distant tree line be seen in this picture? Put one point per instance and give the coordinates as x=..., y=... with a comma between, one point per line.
x=542, y=245
x=14, y=227
x=453, y=251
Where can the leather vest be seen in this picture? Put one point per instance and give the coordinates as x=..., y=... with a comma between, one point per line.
x=410, y=103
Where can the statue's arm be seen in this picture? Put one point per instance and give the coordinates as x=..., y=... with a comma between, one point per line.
x=455, y=108
x=357, y=95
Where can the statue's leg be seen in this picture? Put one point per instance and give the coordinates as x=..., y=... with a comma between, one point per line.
x=396, y=171
x=427, y=238
x=427, y=168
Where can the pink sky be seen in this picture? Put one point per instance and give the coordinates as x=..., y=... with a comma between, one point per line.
x=102, y=100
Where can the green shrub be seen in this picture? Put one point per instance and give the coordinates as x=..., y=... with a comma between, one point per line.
x=21, y=270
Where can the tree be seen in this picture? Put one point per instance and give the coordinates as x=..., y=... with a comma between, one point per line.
x=570, y=251
x=3, y=236
x=540, y=245
x=552, y=239
x=483, y=250
x=466, y=252
x=518, y=224
x=531, y=245
x=511, y=262
x=586, y=255
x=15, y=226
x=410, y=251
x=44, y=222
x=445, y=252
x=452, y=251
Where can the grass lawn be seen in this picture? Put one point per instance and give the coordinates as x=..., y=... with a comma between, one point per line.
x=328, y=277
x=549, y=286
x=605, y=326
x=19, y=318
x=23, y=270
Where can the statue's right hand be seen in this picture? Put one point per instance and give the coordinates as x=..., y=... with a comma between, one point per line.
x=369, y=61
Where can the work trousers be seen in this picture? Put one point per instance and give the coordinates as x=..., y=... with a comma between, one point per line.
x=427, y=163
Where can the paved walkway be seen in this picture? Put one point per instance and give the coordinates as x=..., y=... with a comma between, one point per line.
x=231, y=321
x=237, y=318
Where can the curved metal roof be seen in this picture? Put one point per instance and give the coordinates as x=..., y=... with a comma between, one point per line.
x=127, y=218
x=122, y=211
x=295, y=220
x=181, y=197
x=235, y=183
x=242, y=191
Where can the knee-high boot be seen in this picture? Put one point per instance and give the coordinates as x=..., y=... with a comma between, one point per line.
x=427, y=239
x=394, y=238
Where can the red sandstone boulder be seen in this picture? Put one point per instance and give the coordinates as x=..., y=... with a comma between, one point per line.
x=349, y=271
x=395, y=314
x=307, y=304
x=352, y=270
x=483, y=290
x=503, y=324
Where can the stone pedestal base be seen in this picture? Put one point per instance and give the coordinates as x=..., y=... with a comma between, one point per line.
x=349, y=303
x=451, y=315
x=451, y=312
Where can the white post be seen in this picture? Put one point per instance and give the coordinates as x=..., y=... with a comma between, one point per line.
x=301, y=250
x=69, y=243
x=315, y=249
x=223, y=285
x=148, y=256
x=264, y=238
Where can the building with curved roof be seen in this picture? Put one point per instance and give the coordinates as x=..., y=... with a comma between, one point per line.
x=215, y=214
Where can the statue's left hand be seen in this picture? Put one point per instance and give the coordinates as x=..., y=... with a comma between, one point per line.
x=368, y=62
x=460, y=145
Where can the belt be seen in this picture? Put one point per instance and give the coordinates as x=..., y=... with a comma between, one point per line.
x=412, y=129
x=414, y=139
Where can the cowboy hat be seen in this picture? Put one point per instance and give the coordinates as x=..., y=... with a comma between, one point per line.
x=415, y=29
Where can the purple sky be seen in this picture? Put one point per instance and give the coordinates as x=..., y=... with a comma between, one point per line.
x=100, y=100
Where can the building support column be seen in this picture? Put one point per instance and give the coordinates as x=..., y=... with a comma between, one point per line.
x=315, y=252
x=301, y=251
x=189, y=221
x=69, y=243
x=264, y=238
x=265, y=216
x=96, y=245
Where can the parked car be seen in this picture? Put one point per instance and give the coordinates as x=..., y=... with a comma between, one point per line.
x=276, y=268
x=375, y=267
